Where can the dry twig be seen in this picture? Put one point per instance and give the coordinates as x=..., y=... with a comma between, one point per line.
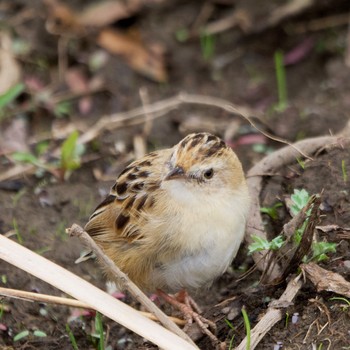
x=155, y=110
x=52, y=299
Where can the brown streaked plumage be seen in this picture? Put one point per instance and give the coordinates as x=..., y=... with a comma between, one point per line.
x=176, y=217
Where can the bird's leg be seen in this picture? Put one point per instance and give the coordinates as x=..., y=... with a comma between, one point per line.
x=190, y=310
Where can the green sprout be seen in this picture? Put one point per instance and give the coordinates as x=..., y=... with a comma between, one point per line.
x=233, y=337
x=271, y=211
x=281, y=82
x=16, y=229
x=343, y=169
x=9, y=96
x=263, y=244
x=182, y=35
x=246, y=326
x=321, y=249
x=345, y=306
x=207, y=45
x=299, y=199
x=301, y=163
x=71, y=152
x=99, y=329
x=21, y=335
x=71, y=337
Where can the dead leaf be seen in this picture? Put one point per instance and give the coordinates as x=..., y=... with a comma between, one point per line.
x=78, y=83
x=134, y=52
x=100, y=14
x=62, y=19
x=326, y=280
x=330, y=228
x=14, y=136
x=10, y=71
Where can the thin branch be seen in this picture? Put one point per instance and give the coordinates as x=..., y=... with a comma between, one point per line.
x=155, y=110
x=52, y=299
x=127, y=284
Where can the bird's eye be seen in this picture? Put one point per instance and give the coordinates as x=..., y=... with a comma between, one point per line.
x=208, y=174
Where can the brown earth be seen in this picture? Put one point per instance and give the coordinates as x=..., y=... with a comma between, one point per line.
x=39, y=209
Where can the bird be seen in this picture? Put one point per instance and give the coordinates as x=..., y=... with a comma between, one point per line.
x=175, y=218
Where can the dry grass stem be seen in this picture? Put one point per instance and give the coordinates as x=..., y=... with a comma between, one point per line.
x=52, y=299
x=127, y=284
x=81, y=290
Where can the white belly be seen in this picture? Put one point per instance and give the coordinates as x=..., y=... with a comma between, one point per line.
x=209, y=238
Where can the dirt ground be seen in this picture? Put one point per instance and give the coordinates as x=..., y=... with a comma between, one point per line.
x=36, y=207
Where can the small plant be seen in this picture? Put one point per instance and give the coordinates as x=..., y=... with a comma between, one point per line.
x=71, y=152
x=301, y=163
x=343, y=169
x=281, y=82
x=320, y=251
x=299, y=199
x=263, y=244
x=3, y=279
x=246, y=326
x=18, y=234
x=286, y=322
x=345, y=306
x=70, y=157
x=71, y=337
x=271, y=211
x=8, y=97
x=233, y=337
x=182, y=35
x=207, y=45
x=21, y=335
x=99, y=334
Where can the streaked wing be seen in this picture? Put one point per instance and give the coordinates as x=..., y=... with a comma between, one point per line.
x=121, y=215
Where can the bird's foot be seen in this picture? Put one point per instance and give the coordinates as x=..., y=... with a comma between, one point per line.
x=191, y=311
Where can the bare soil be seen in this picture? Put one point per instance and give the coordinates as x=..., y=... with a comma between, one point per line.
x=39, y=209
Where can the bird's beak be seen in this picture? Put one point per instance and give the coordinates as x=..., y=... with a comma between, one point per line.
x=175, y=173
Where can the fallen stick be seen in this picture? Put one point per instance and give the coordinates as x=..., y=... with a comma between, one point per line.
x=80, y=289
x=52, y=299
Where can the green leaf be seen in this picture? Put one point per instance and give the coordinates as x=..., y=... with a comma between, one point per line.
x=99, y=329
x=321, y=249
x=271, y=211
x=71, y=152
x=25, y=157
x=299, y=198
x=11, y=94
x=62, y=109
x=263, y=244
x=21, y=335
x=276, y=243
x=39, y=333
x=71, y=337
